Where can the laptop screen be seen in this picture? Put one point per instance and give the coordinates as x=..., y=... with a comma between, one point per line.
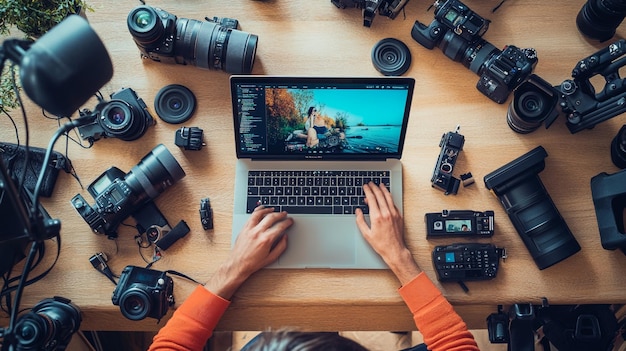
x=320, y=118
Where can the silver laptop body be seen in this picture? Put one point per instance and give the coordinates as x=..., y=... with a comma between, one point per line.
x=365, y=126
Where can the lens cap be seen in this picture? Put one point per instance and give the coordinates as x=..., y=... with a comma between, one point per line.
x=391, y=57
x=175, y=103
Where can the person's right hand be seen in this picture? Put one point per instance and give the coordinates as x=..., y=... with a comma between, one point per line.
x=386, y=232
x=261, y=241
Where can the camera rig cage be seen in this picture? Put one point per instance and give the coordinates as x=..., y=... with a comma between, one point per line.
x=578, y=100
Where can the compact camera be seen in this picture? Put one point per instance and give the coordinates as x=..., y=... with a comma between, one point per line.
x=458, y=30
x=459, y=223
x=143, y=292
x=125, y=116
x=213, y=44
x=388, y=8
x=576, y=98
x=119, y=195
x=451, y=144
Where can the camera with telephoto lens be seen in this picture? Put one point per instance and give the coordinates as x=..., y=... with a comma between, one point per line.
x=125, y=116
x=458, y=30
x=598, y=19
x=119, y=195
x=388, y=8
x=536, y=101
x=214, y=44
x=142, y=292
x=48, y=326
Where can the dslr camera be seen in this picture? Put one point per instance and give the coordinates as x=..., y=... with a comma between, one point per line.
x=142, y=292
x=576, y=98
x=213, y=44
x=389, y=8
x=458, y=30
x=119, y=195
x=125, y=116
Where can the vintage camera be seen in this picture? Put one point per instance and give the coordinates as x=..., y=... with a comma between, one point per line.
x=531, y=209
x=213, y=44
x=143, y=292
x=576, y=98
x=459, y=223
x=119, y=195
x=125, y=116
x=458, y=30
x=451, y=144
x=388, y=8
x=598, y=19
x=48, y=326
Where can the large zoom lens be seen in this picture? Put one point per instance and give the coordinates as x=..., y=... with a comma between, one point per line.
x=472, y=54
x=598, y=19
x=204, y=44
x=121, y=120
x=156, y=172
x=531, y=209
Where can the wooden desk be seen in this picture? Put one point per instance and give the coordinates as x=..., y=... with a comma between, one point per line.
x=315, y=38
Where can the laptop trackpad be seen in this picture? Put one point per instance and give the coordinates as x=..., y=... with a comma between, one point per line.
x=317, y=242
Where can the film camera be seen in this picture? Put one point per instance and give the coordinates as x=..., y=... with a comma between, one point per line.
x=119, y=195
x=458, y=30
x=142, y=292
x=389, y=8
x=125, y=116
x=214, y=44
x=576, y=98
x=48, y=326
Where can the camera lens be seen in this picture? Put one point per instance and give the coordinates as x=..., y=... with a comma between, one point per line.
x=50, y=322
x=598, y=19
x=532, y=103
x=154, y=173
x=144, y=25
x=175, y=103
x=618, y=148
x=211, y=46
x=121, y=120
x=391, y=57
x=472, y=55
x=135, y=303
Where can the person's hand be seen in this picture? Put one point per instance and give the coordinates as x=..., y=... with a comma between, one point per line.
x=386, y=232
x=260, y=242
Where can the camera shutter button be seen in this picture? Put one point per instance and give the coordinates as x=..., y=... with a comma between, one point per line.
x=161, y=282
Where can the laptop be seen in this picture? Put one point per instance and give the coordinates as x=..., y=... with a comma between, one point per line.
x=306, y=145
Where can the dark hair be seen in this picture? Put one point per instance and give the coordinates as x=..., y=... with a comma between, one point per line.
x=310, y=110
x=286, y=340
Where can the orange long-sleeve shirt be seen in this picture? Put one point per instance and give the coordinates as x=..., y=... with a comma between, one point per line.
x=443, y=329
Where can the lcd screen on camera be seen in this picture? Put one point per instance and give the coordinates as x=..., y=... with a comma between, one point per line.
x=458, y=225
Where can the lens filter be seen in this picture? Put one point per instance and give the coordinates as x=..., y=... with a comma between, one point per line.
x=391, y=57
x=175, y=103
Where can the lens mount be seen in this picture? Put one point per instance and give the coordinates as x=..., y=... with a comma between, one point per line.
x=175, y=103
x=135, y=303
x=391, y=57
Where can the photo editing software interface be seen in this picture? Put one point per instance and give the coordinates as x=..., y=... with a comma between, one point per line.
x=277, y=120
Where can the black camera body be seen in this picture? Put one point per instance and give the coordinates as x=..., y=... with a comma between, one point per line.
x=119, y=195
x=125, y=116
x=459, y=223
x=609, y=198
x=531, y=209
x=215, y=43
x=388, y=8
x=458, y=30
x=451, y=144
x=143, y=292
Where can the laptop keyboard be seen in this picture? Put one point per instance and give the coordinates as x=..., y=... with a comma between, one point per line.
x=312, y=192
